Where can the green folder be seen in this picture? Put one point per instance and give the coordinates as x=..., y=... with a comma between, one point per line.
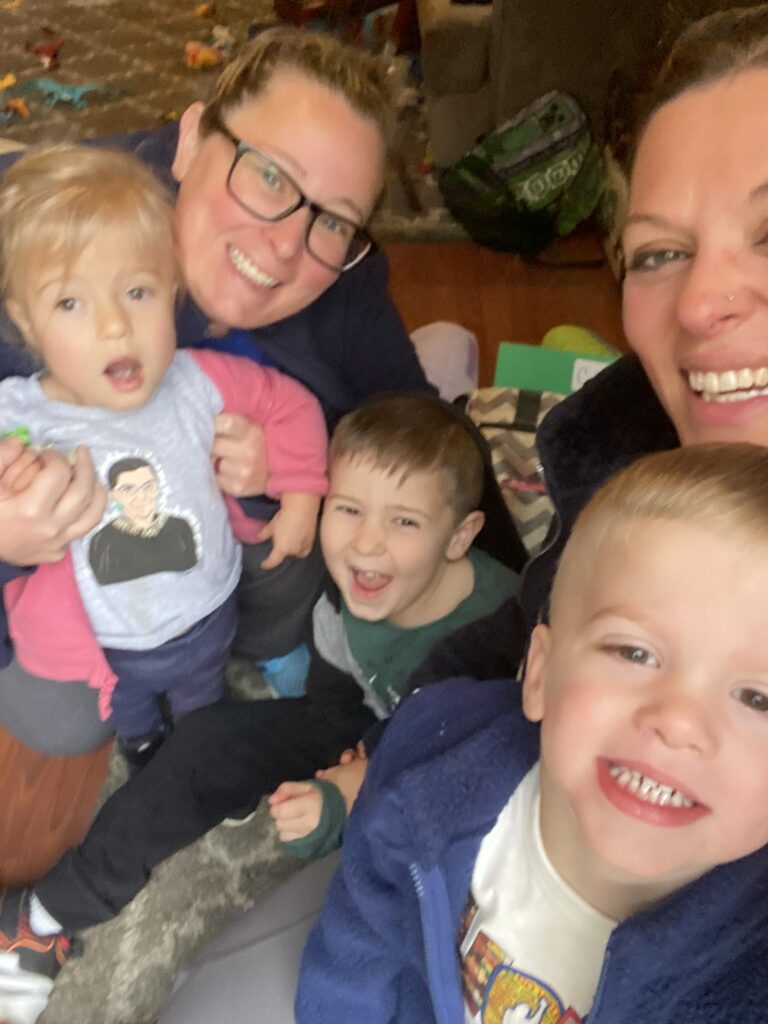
x=544, y=369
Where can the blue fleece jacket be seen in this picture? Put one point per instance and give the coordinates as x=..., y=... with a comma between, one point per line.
x=385, y=949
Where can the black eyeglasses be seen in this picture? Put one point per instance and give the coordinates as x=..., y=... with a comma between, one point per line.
x=270, y=194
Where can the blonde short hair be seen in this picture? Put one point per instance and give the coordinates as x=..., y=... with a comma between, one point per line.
x=356, y=75
x=405, y=434
x=723, y=486
x=55, y=201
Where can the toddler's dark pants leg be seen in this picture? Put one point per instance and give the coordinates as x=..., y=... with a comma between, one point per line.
x=275, y=605
x=220, y=760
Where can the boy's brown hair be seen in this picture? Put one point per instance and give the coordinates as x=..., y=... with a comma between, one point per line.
x=719, y=486
x=56, y=200
x=350, y=71
x=405, y=434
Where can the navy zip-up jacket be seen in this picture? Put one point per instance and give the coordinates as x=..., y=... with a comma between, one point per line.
x=385, y=949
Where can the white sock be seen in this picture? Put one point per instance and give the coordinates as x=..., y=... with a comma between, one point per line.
x=40, y=921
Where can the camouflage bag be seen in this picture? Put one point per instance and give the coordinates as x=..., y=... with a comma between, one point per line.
x=530, y=180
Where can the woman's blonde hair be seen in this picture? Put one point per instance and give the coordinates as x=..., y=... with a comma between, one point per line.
x=356, y=75
x=720, y=486
x=55, y=201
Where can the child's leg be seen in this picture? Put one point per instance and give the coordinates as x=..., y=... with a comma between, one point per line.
x=275, y=605
x=188, y=668
x=58, y=719
x=219, y=760
x=193, y=671
x=136, y=708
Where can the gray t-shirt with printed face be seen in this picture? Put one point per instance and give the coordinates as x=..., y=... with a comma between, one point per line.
x=164, y=555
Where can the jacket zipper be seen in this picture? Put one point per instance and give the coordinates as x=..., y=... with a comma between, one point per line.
x=435, y=922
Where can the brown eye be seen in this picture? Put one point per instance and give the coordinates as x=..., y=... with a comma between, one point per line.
x=753, y=699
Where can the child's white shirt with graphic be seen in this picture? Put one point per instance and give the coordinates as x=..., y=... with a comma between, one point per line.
x=532, y=949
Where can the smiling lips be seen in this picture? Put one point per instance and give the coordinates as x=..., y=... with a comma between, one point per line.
x=125, y=374
x=644, y=798
x=729, y=385
x=245, y=266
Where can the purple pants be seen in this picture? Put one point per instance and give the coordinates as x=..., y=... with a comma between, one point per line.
x=187, y=670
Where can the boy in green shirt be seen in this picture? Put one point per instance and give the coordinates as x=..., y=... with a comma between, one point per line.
x=396, y=533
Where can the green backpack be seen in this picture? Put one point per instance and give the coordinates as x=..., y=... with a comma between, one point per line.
x=530, y=180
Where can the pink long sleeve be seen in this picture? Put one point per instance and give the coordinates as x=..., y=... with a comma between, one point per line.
x=294, y=427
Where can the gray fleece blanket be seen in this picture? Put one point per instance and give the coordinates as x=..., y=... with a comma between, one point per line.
x=128, y=965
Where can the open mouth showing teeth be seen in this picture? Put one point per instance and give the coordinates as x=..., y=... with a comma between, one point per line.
x=648, y=789
x=245, y=266
x=123, y=371
x=370, y=581
x=730, y=385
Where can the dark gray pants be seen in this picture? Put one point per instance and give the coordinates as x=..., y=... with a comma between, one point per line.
x=57, y=719
x=275, y=606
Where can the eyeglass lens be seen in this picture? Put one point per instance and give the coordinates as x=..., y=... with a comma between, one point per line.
x=268, y=192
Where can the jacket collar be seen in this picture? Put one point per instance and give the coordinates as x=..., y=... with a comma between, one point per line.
x=606, y=425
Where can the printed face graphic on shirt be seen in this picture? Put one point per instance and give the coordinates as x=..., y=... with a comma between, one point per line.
x=140, y=540
x=652, y=689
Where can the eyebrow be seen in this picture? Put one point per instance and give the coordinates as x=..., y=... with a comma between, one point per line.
x=651, y=219
x=390, y=508
x=656, y=220
x=342, y=201
x=618, y=611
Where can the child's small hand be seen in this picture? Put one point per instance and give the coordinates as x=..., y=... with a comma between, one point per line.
x=295, y=808
x=353, y=754
x=292, y=529
x=348, y=778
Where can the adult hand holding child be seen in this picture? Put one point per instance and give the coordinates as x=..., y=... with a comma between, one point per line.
x=46, y=501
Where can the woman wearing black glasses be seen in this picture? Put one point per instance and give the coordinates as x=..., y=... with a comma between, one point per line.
x=277, y=176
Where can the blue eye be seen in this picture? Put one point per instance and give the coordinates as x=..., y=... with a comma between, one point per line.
x=139, y=292
x=649, y=260
x=336, y=225
x=272, y=177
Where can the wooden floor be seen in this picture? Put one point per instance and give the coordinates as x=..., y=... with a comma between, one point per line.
x=46, y=803
x=500, y=298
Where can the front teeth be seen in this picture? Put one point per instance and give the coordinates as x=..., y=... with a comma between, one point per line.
x=731, y=385
x=248, y=268
x=648, y=789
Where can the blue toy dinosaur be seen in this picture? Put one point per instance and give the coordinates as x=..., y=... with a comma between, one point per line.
x=58, y=92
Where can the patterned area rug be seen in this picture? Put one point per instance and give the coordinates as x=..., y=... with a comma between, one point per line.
x=129, y=54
